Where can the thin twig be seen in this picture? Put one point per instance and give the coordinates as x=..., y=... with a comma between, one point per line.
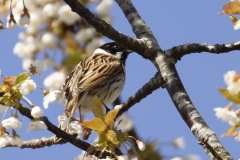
x=60, y=133
x=179, y=51
x=154, y=83
x=172, y=82
x=104, y=28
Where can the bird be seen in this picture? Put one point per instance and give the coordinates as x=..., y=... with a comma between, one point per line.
x=100, y=75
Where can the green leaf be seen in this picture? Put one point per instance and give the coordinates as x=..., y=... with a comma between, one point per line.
x=232, y=129
x=95, y=124
x=21, y=78
x=109, y=118
x=111, y=136
x=233, y=98
x=97, y=109
x=233, y=19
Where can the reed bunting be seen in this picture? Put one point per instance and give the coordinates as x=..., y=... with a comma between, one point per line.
x=101, y=75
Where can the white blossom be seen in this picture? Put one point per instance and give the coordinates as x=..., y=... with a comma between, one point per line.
x=222, y=113
x=3, y=141
x=26, y=63
x=237, y=25
x=179, y=142
x=177, y=158
x=36, y=67
x=67, y=16
x=232, y=79
x=51, y=9
x=123, y=157
x=92, y=45
x=19, y=49
x=33, y=44
x=11, y=25
x=36, y=112
x=76, y=128
x=24, y=19
x=32, y=30
x=63, y=120
x=141, y=145
x=27, y=48
x=27, y=87
x=2, y=107
x=226, y=115
x=118, y=106
x=84, y=35
x=12, y=122
x=234, y=88
x=192, y=157
x=48, y=39
x=233, y=118
x=36, y=125
x=104, y=6
x=229, y=77
x=126, y=122
x=51, y=97
x=55, y=80
x=37, y=17
x=22, y=36
x=15, y=140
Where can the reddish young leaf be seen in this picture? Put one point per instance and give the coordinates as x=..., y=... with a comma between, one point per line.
x=231, y=8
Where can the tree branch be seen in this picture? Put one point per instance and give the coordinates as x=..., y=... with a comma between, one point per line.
x=154, y=83
x=190, y=114
x=39, y=143
x=141, y=30
x=106, y=29
x=62, y=134
x=179, y=51
x=173, y=83
x=148, y=47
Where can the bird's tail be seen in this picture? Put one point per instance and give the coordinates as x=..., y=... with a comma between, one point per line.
x=66, y=118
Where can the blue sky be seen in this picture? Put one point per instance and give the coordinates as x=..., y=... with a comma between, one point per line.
x=155, y=118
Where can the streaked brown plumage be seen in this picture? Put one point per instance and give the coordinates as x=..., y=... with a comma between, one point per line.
x=102, y=75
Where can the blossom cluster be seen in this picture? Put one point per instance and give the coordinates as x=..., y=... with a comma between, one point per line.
x=22, y=85
x=228, y=113
x=52, y=28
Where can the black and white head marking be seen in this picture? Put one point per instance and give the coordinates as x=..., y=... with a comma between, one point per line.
x=113, y=49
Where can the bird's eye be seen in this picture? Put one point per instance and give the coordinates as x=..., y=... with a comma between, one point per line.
x=115, y=46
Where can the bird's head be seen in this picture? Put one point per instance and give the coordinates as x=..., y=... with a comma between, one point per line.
x=114, y=49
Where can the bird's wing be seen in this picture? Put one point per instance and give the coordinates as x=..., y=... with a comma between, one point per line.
x=99, y=71
x=92, y=71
